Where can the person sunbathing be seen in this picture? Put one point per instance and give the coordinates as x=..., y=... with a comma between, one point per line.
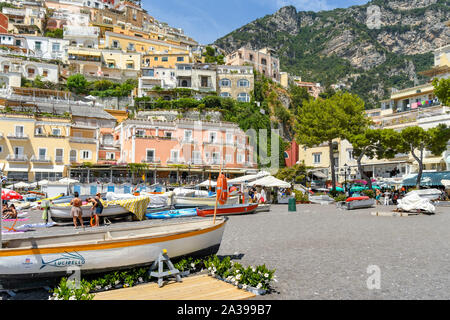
x=9, y=212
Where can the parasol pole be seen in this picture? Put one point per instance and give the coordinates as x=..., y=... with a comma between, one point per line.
x=217, y=197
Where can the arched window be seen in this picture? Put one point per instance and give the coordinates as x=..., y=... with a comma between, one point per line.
x=225, y=95
x=243, y=83
x=184, y=83
x=243, y=97
x=225, y=83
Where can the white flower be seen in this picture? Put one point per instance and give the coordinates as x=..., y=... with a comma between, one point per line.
x=117, y=282
x=239, y=276
x=98, y=287
x=253, y=269
x=209, y=269
x=259, y=286
x=72, y=298
x=237, y=271
x=236, y=283
x=232, y=263
x=233, y=279
x=141, y=280
x=244, y=287
x=193, y=265
x=266, y=275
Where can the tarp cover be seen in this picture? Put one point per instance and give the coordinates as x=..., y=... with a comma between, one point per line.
x=432, y=194
x=270, y=182
x=414, y=202
x=182, y=192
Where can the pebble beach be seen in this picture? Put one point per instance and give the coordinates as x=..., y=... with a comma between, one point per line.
x=321, y=252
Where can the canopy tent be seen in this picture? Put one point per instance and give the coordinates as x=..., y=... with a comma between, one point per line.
x=249, y=178
x=429, y=179
x=270, y=182
x=68, y=181
x=208, y=183
x=446, y=183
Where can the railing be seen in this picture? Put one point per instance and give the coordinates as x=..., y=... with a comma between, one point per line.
x=176, y=161
x=16, y=158
x=153, y=160
x=40, y=159
x=17, y=136
x=216, y=141
x=82, y=140
x=59, y=159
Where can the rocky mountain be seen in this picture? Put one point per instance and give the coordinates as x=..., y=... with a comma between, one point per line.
x=367, y=49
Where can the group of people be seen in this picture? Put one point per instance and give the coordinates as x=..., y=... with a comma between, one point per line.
x=77, y=213
x=8, y=212
x=257, y=196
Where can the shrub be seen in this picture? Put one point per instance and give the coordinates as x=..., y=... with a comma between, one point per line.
x=212, y=102
x=340, y=198
x=301, y=197
x=369, y=193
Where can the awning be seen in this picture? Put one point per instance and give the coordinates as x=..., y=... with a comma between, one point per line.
x=12, y=167
x=434, y=160
x=428, y=179
x=50, y=168
x=85, y=53
x=319, y=174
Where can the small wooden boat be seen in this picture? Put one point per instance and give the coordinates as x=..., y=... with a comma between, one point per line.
x=61, y=213
x=263, y=207
x=228, y=210
x=195, y=202
x=357, y=203
x=171, y=214
x=27, y=261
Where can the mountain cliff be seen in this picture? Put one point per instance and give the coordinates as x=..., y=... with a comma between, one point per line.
x=368, y=48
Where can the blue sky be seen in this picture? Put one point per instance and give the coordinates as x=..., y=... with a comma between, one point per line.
x=208, y=20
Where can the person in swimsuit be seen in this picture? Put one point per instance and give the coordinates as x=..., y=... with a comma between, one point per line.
x=76, y=211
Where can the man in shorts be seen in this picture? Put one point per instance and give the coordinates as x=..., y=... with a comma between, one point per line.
x=76, y=211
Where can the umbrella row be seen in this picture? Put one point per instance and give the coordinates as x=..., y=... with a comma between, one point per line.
x=23, y=185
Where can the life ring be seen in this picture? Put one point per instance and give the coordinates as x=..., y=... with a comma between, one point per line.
x=94, y=220
x=222, y=189
x=357, y=199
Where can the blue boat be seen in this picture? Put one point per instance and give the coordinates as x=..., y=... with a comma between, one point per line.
x=171, y=214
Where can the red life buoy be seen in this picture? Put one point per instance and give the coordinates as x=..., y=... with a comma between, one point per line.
x=222, y=189
x=94, y=220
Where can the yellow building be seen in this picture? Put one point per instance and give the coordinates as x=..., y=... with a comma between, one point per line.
x=104, y=64
x=34, y=148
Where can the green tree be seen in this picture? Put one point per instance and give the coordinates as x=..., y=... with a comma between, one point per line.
x=299, y=96
x=417, y=140
x=379, y=143
x=78, y=84
x=442, y=90
x=324, y=120
x=56, y=33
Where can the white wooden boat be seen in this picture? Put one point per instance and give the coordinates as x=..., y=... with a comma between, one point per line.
x=429, y=194
x=322, y=199
x=25, y=260
x=62, y=213
x=194, y=202
x=263, y=208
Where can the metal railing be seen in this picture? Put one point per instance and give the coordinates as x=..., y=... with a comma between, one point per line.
x=83, y=140
x=151, y=160
x=20, y=136
x=41, y=159
x=16, y=158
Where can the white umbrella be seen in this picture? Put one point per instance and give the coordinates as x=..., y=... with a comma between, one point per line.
x=270, y=182
x=92, y=98
x=208, y=183
x=43, y=182
x=21, y=185
x=248, y=178
x=68, y=181
x=33, y=185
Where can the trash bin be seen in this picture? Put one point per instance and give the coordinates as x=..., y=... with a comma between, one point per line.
x=292, y=205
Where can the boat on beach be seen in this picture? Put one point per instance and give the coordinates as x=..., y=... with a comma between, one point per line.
x=357, y=203
x=228, y=210
x=171, y=214
x=264, y=207
x=195, y=202
x=27, y=260
x=61, y=213
x=429, y=194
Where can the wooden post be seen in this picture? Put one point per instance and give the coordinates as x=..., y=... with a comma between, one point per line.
x=217, y=196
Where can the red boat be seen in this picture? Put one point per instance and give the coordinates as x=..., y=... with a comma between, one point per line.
x=228, y=210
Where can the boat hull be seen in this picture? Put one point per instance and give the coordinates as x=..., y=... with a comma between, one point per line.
x=231, y=210
x=357, y=204
x=196, y=202
x=63, y=213
x=130, y=249
x=263, y=208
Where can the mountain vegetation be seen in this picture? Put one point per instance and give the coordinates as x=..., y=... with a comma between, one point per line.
x=366, y=49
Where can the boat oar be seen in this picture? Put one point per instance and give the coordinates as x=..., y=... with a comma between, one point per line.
x=217, y=195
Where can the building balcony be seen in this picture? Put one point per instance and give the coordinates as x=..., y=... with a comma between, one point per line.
x=188, y=141
x=176, y=161
x=40, y=159
x=152, y=160
x=83, y=140
x=213, y=161
x=17, y=158
x=214, y=142
x=15, y=136
x=43, y=135
x=59, y=159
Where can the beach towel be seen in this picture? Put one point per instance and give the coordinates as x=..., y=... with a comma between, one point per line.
x=138, y=206
x=37, y=225
x=19, y=220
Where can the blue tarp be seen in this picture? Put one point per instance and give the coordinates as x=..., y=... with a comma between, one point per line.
x=429, y=179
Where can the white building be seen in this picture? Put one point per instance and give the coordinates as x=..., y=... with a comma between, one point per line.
x=199, y=77
x=156, y=77
x=29, y=69
x=85, y=37
x=47, y=48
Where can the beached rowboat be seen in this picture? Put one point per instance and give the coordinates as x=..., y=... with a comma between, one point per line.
x=62, y=213
x=228, y=210
x=116, y=247
x=194, y=202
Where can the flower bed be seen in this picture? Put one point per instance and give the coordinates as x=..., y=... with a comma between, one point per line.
x=254, y=279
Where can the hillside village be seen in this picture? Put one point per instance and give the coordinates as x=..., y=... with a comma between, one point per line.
x=110, y=86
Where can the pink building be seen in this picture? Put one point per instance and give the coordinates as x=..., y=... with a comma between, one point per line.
x=264, y=61
x=314, y=89
x=185, y=148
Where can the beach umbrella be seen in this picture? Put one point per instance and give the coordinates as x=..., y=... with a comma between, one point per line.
x=68, y=181
x=207, y=183
x=43, y=182
x=21, y=185
x=270, y=182
x=8, y=194
x=357, y=189
x=338, y=189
